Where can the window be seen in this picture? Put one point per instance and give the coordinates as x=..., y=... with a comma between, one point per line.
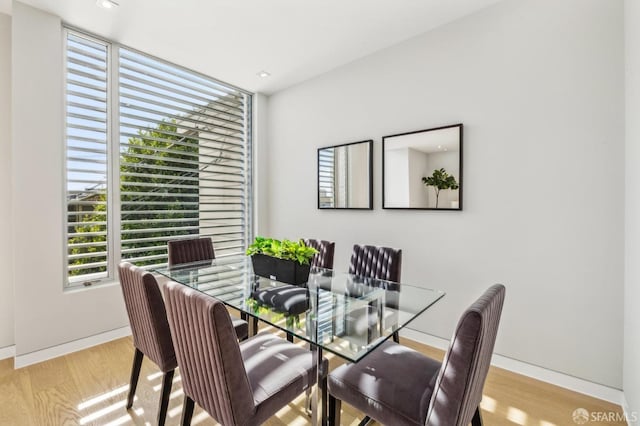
x=154, y=152
x=326, y=178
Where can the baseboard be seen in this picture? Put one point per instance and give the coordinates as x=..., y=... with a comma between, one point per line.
x=566, y=381
x=7, y=352
x=67, y=348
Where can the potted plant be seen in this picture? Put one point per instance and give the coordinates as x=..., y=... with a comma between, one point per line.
x=440, y=180
x=286, y=261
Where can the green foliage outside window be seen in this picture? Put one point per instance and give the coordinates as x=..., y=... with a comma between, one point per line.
x=155, y=197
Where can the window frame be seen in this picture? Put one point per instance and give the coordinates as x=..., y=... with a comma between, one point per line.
x=113, y=146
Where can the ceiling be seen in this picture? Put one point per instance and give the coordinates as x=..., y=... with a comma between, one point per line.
x=232, y=40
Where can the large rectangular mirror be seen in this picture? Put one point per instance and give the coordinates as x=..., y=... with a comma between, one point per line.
x=423, y=169
x=345, y=176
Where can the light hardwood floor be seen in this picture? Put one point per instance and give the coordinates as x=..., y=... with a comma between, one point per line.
x=90, y=388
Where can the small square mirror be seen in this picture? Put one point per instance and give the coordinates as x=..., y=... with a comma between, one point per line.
x=423, y=169
x=345, y=176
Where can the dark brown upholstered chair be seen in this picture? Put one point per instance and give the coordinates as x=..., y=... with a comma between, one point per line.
x=190, y=250
x=150, y=329
x=194, y=250
x=381, y=263
x=324, y=257
x=236, y=383
x=396, y=385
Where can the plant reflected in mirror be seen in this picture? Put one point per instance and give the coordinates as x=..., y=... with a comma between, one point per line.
x=440, y=180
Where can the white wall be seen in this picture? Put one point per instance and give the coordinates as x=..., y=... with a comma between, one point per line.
x=539, y=86
x=45, y=315
x=6, y=282
x=260, y=164
x=631, y=370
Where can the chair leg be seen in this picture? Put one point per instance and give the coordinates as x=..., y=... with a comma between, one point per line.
x=323, y=389
x=187, y=411
x=135, y=373
x=255, y=326
x=365, y=421
x=164, y=396
x=396, y=337
x=290, y=337
x=477, y=418
x=335, y=406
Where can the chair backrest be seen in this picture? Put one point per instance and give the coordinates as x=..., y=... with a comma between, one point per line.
x=324, y=257
x=147, y=315
x=213, y=373
x=190, y=250
x=458, y=389
x=382, y=263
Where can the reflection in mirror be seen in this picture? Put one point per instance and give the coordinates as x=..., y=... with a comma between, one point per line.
x=345, y=176
x=423, y=169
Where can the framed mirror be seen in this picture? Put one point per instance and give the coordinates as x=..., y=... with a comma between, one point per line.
x=423, y=169
x=345, y=176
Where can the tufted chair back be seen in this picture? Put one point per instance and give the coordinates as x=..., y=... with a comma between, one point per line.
x=190, y=250
x=324, y=257
x=376, y=262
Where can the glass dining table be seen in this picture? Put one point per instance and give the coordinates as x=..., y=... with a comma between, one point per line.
x=336, y=312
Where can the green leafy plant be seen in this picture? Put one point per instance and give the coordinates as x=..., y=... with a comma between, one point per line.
x=285, y=249
x=440, y=180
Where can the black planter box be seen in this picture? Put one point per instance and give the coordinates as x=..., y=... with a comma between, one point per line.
x=286, y=271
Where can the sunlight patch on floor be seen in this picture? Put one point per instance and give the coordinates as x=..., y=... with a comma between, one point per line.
x=174, y=411
x=176, y=379
x=517, y=416
x=102, y=397
x=199, y=418
x=298, y=421
x=546, y=423
x=488, y=404
x=154, y=376
x=125, y=419
x=176, y=393
x=102, y=412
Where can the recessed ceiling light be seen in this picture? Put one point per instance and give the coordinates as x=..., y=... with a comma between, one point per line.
x=106, y=4
x=439, y=146
x=263, y=74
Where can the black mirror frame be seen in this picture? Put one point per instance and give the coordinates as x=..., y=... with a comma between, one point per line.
x=460, y=181
x=370, y=207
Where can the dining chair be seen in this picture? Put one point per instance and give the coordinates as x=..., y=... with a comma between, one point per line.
x=190, y=250
x=400, y=386
x=236, y=383
x=324, y=257
x=194, y=250
x=150, y=330
x=383, y=263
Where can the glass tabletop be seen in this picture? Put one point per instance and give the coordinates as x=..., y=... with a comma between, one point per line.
x=340, y=312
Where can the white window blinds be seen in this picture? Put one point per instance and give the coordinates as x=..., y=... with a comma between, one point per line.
x=169, y=158
x=326, y=178
x=183, y=159
x=87, y=157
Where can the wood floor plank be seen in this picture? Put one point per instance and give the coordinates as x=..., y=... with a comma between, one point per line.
x=16, y=396
x=56, y=405
x=90, y=388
